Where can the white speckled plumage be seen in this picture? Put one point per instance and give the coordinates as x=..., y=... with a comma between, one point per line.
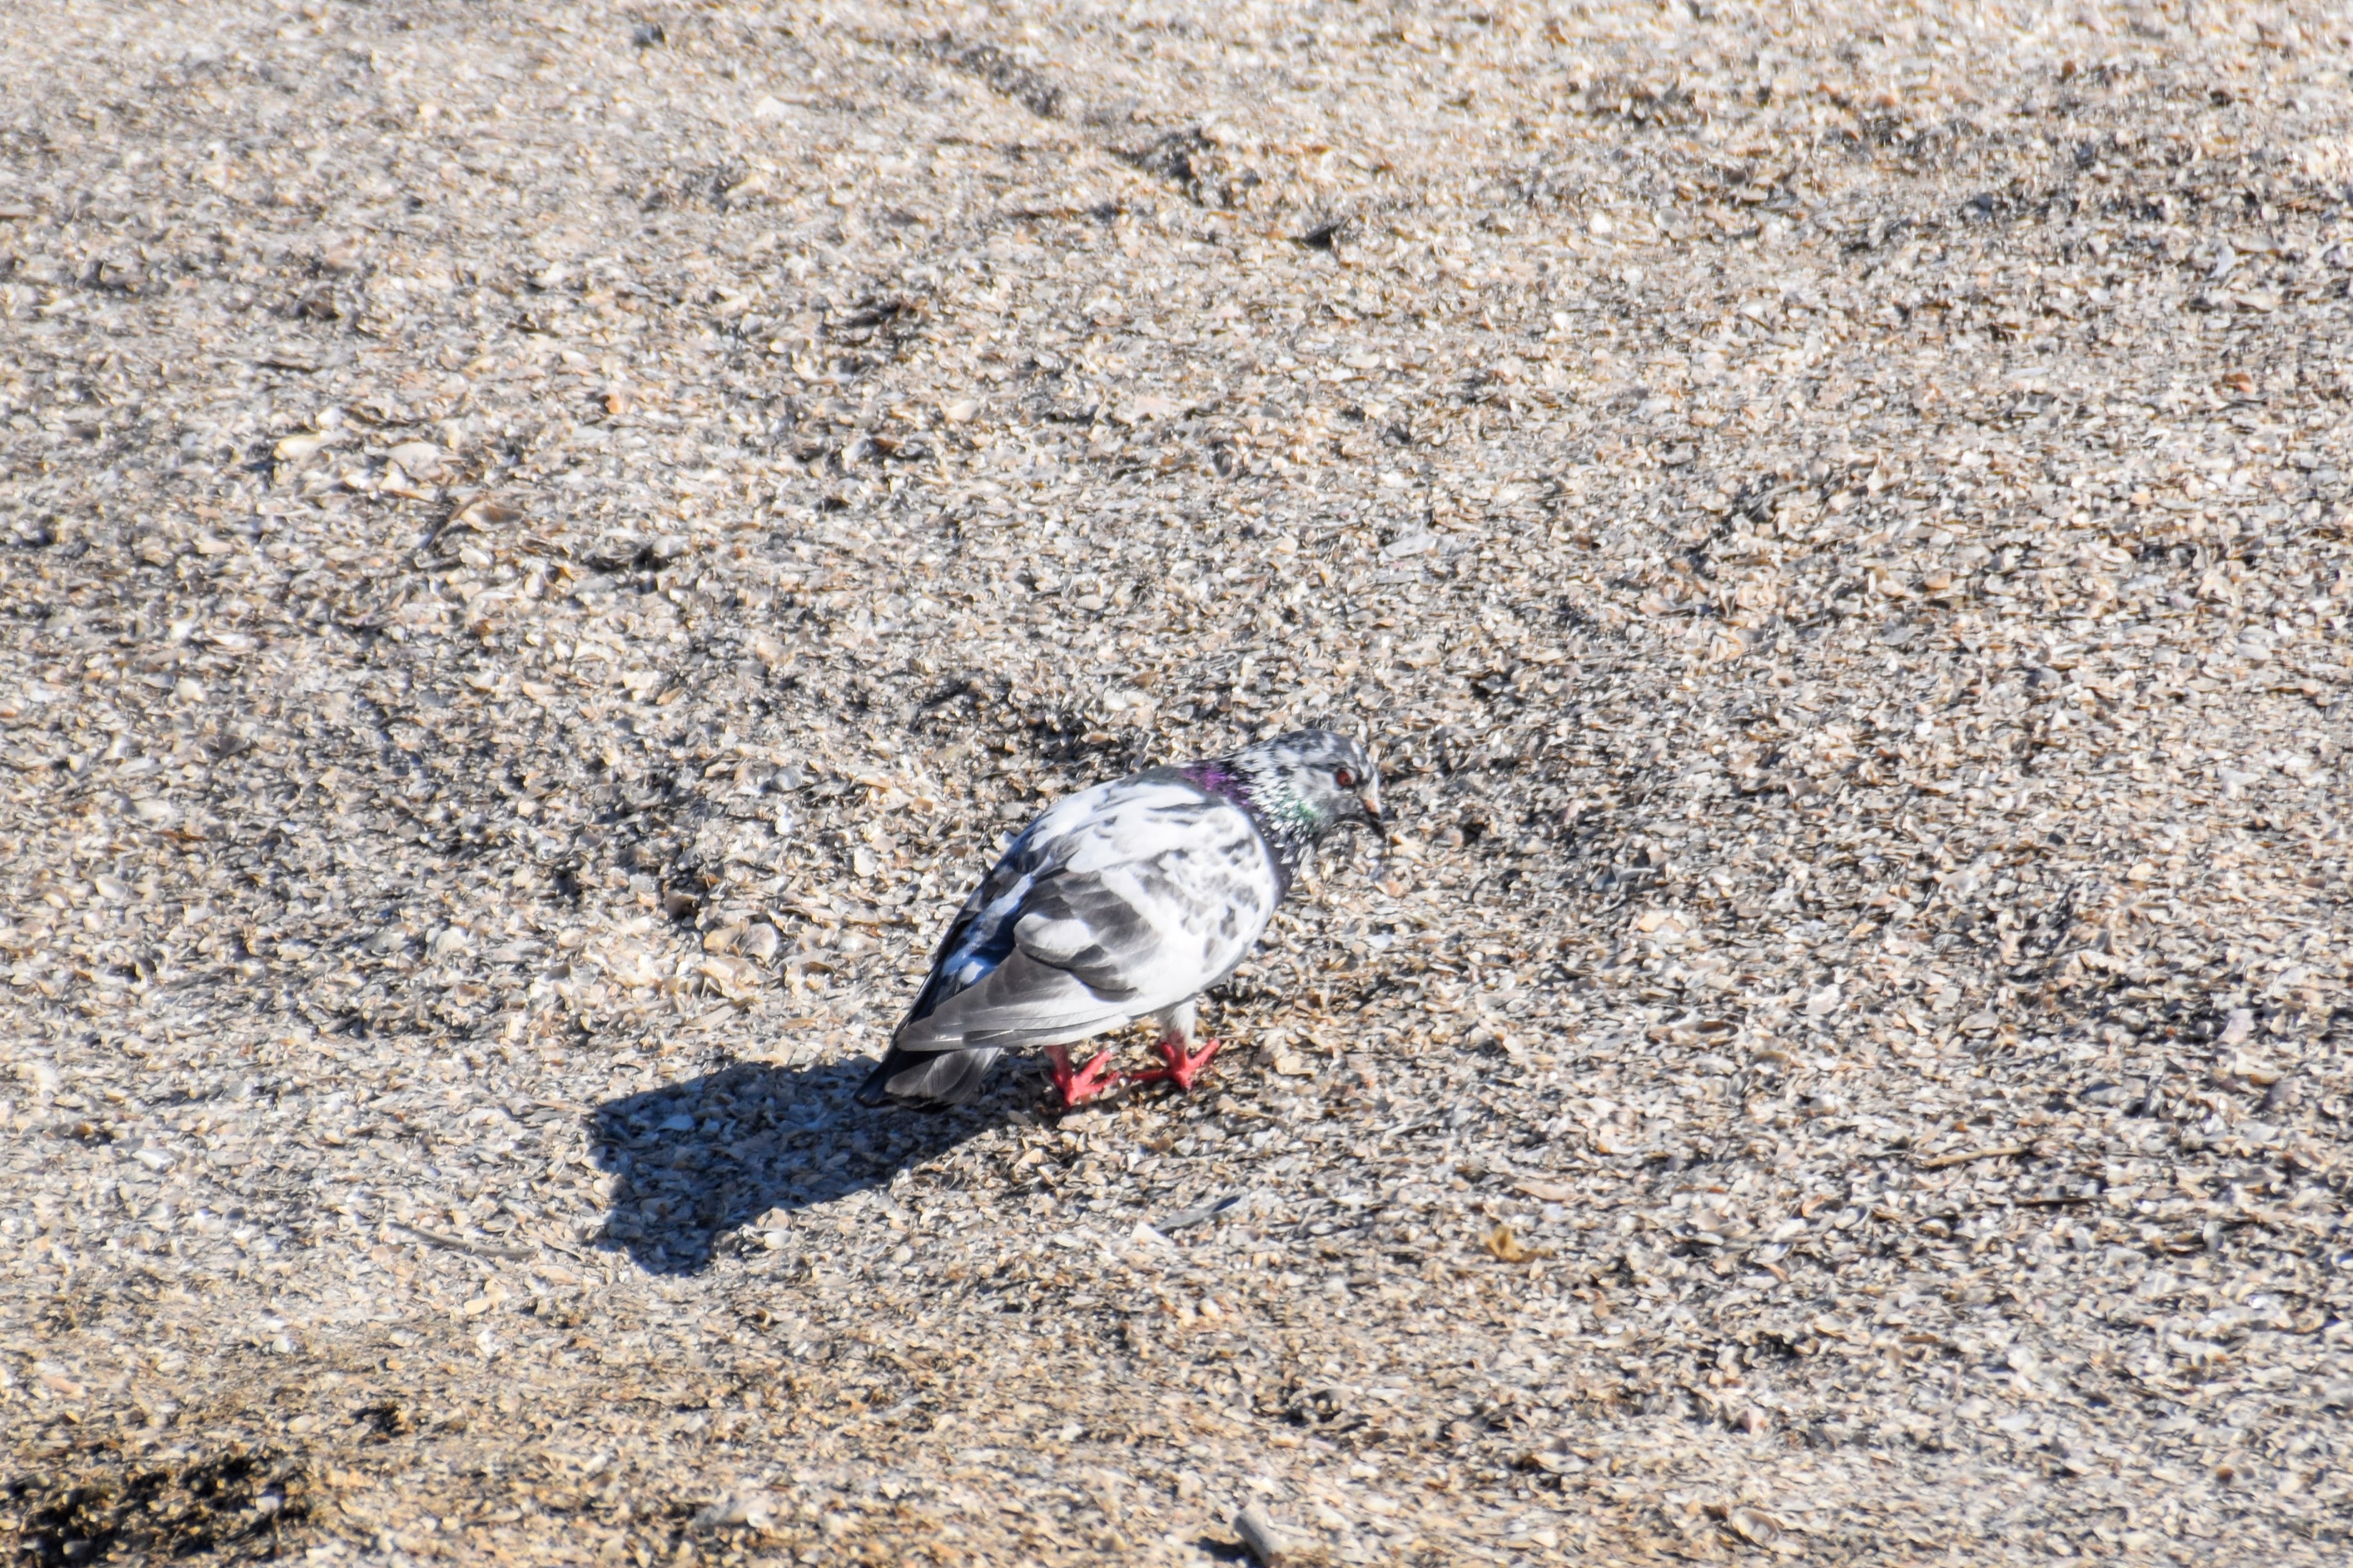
x=1123, y=901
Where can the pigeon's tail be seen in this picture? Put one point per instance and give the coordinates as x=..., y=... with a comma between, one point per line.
x=927, y=1081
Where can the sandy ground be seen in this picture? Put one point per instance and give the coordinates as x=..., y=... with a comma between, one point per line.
x=541, y=548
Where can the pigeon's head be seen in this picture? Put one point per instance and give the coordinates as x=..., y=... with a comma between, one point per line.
x=1311, y=781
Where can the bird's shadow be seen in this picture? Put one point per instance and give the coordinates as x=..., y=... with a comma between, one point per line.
x=694, y=1162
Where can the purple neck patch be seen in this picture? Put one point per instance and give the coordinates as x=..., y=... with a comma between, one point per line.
x=1216, y=778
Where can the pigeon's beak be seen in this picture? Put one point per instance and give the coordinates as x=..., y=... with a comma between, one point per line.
x=1370, y=797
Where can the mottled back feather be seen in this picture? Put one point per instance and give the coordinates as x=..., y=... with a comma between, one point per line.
x=1121, y=902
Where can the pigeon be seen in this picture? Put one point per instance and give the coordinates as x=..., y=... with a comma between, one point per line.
x=1123, y=901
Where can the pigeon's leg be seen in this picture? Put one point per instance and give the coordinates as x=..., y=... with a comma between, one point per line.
x=1183, y=1066
x=1185, y=1063
x=1098, y=1077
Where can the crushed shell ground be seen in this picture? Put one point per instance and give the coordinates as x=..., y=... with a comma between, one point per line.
x=542, y=547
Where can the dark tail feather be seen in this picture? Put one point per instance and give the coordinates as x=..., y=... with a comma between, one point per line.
x=927, y=1081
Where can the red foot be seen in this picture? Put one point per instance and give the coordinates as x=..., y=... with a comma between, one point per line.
x=1181, y=1068
x=1098, y=1077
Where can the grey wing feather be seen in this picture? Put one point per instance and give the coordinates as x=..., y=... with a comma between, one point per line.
x=1078, y=924
x=1137, y=896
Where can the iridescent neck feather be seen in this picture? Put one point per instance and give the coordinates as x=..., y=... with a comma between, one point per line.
x=1285, y=819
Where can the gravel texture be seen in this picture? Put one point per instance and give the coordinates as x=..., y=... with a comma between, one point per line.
x=542, y=547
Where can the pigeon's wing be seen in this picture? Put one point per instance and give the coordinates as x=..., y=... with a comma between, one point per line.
x=981, y=936
x=1118, y=902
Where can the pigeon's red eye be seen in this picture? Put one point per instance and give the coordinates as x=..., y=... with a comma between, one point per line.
x=1344, y=779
